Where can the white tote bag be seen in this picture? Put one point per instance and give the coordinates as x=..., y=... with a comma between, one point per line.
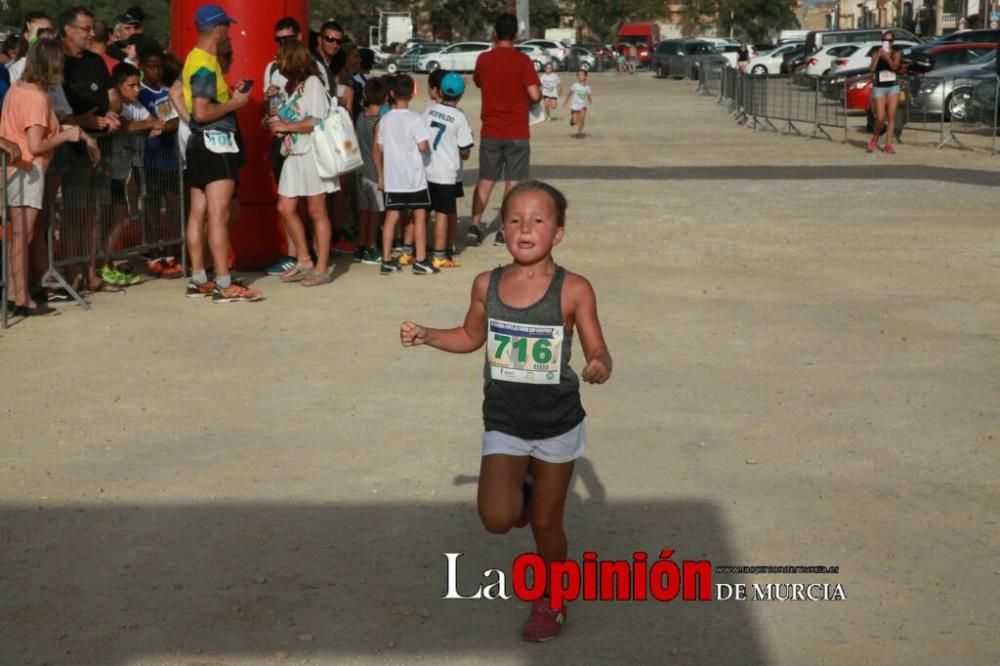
x=335, y=144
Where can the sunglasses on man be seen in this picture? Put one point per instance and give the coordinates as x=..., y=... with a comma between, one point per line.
x=280, y=38
x=333, y=40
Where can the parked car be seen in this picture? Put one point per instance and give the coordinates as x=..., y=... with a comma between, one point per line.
x=818, y=64
x=539, y=56
x=792, y=58
x=833, y=86
x=817, y=39
x=927, y=57
x=673, y=57
x=730, y=53
x=936, y=92
x=983, y=105
x=770, y=62
x=557, y=50
x=863, y=55
x=968, y=36
x=407, y=62
x=605, y=56
x=580, y=58
x=459, y=57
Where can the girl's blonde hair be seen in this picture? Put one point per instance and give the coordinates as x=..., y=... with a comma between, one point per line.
x=45, y=62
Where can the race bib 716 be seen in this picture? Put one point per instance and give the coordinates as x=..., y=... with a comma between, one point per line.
x=522, y=353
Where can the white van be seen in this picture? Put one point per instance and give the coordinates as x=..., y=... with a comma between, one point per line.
x=817, y=39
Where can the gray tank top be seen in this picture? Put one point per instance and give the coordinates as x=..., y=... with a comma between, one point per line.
x=530, y=390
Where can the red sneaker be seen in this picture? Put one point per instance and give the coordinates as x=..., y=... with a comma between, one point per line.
x=889, y=149
x=343, y=246
x=543, y=624
x=872, y=144
x=236, y=293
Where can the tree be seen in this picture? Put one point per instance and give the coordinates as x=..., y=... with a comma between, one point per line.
x=754, y=18
x=602, y=18
x=157, y=11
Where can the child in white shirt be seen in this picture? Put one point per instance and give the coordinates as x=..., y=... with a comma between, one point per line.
x=551, y=87
x=401, y=141
x=579, y=99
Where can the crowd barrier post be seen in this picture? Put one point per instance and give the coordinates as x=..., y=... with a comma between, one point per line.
x=996, y=113
x=5, y=234
x=817, y=127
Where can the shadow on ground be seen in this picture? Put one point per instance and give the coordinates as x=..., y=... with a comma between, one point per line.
x=112, y=584
x=763, y=172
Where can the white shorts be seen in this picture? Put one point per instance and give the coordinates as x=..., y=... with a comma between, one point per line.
x=559, y=449
x=26, y=189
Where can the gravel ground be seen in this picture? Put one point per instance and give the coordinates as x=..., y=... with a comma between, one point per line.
x=806, y=358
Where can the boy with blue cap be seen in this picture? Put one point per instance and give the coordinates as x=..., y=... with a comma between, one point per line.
x=451, y=143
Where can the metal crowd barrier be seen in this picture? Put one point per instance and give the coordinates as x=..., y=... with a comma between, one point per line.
x=761, y=101
x=956, y=109
x=131, y=202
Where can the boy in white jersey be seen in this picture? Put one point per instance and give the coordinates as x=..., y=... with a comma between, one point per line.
x=579, y=99
x=401, y=141
x=551, y=88
x=451, y=142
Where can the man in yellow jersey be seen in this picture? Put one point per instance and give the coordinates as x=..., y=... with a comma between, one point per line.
x=214, y=157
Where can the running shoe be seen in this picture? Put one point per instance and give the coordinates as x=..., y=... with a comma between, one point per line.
x=872, y=144
x=343, y=246
x=405, y=259
x=389, y=267
x=543, y=624
x=236, y=293
x=281, y=265
x=498, y=239
x=58, y=296
x=889, y=149
x=195, y=290
x=165, y=268
x=474, y=235
x=445, y=262
x=359, y=254
x=397, y=246
x=372, y=257
x=425, y=267
x=116, y=277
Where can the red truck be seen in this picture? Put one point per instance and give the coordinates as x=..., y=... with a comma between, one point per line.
x=643, y=35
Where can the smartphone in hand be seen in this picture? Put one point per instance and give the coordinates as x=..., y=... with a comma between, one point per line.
x=245, y=86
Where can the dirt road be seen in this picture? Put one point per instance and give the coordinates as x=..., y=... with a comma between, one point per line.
x=806, y=359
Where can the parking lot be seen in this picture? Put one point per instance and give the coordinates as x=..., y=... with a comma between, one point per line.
x=805, y=340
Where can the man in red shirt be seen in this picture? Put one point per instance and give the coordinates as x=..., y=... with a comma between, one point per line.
x=509, y=86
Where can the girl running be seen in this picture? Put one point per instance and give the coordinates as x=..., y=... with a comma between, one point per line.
x=526, y=312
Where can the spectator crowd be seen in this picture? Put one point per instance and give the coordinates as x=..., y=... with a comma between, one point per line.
x=99, y=116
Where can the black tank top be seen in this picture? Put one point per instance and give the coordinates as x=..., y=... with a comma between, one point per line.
x=530, y=391
x=883, y=66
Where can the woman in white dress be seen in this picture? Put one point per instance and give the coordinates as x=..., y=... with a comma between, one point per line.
x=306, y=105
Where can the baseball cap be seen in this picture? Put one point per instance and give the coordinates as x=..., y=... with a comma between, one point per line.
x=209, y=16
x=452, y=84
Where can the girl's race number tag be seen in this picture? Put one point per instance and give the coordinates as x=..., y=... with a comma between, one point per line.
x=522, y=353
x=886, y=76
x=221, y=142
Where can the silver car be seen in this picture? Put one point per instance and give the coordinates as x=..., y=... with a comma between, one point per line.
x=539, y=56
x=936, y=94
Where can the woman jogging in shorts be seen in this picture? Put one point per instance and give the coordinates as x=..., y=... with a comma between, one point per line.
x=885, y=92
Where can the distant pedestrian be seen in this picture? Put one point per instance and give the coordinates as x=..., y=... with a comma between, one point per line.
x=509, y=86
x=579, y=99
x=743, y=56
x=885, y=92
